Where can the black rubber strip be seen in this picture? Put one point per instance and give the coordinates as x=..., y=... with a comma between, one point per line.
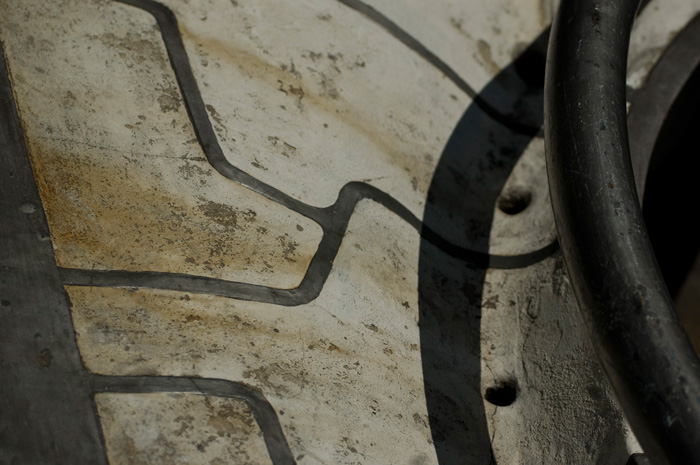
x=333, y=219
x=629, y=313
x=45, y=412
x=264, y=413
x=307, y=291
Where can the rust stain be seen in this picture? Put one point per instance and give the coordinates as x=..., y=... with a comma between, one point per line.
x=485, y=53
x=318, y=89
x=333, y=347
x=189, y=428
x=113, y=212
x=281, y=378
x=169, y=98
x=45, y=358
x=214, y=115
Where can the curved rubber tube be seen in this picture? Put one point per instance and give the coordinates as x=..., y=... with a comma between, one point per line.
x=629, y=313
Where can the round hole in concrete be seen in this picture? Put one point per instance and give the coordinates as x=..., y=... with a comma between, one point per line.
x=502, y=393
x=514, y=201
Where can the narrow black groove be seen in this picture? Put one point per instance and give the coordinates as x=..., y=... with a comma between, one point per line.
x=409, y=41
x=333, y=219
x=264, y=413
x=319, y=269
x=170, y=32
x=308, y=290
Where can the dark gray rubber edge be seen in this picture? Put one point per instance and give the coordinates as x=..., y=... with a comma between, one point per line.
x=44, y=391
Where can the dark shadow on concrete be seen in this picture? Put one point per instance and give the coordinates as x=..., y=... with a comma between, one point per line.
x=470, y=175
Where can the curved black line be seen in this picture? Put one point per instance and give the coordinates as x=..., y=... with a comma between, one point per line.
x=451, y=296
x=621, y=293
x=46, y=412
x=264, y=413
x=170, y=32
x=663, y=127
x=333, y=219
x=651, y=106
x=409, y=41
x=308, y=290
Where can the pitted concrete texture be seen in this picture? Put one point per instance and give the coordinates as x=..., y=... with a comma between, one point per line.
x=179, y=428
x=312, y=232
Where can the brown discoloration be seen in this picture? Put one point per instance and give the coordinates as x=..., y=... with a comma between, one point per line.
x=195, y=170
x=319, y=354
x=490, y=303
x=137, y=49
x=45, y=358
x=188, y=428
x=280, y=378
x=289, y=247
x=420, y=420
x=333, y=347
x=225, y=215
x=214, y=115
x=318, y=88
x=126, y=186
x=109, y=215
x=258, y=165
x=485, y=53
x=123, y=331
x=458, y=24
x=169, y=99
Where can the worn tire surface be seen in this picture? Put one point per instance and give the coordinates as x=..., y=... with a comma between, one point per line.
x=289, y=232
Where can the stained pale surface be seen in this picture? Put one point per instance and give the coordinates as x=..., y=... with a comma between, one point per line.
x=359, y=107
x=125, y=185
x=345, y=369
x=537, y=337
x=533, y=227
x=308, y=96
x=143, y=429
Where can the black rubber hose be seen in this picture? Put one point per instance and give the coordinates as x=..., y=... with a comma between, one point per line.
x=626, y=306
